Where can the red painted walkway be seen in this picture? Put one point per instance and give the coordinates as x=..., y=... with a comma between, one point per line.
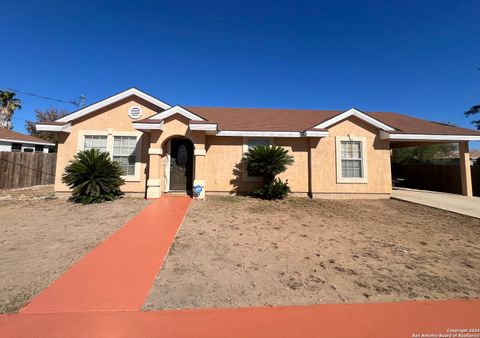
x=118, y=273
x=389, y=320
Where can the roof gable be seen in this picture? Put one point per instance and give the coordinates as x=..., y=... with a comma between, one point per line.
x=358, y=114
x=176, y=110
x=110, y=100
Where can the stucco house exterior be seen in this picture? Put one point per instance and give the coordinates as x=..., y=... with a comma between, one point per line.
x=164, y=148
x=17, y=142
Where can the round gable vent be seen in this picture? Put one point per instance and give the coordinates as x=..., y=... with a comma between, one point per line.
x=135, y=112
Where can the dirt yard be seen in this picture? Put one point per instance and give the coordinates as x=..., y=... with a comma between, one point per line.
x=41, y=237
x=235, y=252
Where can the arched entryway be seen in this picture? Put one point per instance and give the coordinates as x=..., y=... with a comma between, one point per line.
x=180, y=170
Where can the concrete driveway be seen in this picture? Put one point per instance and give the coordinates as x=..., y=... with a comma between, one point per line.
x=469, y=206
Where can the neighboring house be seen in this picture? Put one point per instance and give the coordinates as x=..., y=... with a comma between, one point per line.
x=453, y=156
x=12, y=141
x=164, y=148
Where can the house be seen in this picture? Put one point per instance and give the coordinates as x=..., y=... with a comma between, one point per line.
x=12, y=141
x=164, y=148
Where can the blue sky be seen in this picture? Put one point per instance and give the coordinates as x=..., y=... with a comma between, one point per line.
x=419, y=58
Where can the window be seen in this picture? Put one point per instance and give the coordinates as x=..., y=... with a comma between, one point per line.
x=39, y=149
x=351, y=161
x=257, y=142
x=95, y=141
x=28, y=150
x=121, y=145
x=124, y=153
x=16, y=147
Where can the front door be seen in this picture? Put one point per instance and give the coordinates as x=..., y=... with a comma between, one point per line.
x=181, y=164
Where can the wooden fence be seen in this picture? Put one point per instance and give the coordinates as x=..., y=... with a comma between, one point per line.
x=19, y=170
x=435, y=177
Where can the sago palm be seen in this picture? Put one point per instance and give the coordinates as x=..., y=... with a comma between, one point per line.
x=93, y=177
x=267, y=161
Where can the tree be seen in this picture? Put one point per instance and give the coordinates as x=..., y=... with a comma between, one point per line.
x=472, y=111
x=269, y=161
x=8, y=105
x=424, y=154
x=47, y=115
x=94, y=177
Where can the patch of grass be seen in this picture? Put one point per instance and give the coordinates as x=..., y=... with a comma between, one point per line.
x=227, y=199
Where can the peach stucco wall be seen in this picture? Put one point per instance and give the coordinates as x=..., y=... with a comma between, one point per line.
x=115, y=117
x=224, y=171
x=218, y=159
x=323, y=164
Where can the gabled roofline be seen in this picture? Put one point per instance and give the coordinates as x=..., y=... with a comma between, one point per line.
x=358, y=114
x=176, y=110
x=113, y=99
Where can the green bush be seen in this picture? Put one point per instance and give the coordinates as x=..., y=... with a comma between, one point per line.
x=93, y=177
x=269, y=161
x=273, y=191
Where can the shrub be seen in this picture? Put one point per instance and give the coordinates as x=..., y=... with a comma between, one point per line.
x=93, y=177
x=273, y=190
x=269, y=161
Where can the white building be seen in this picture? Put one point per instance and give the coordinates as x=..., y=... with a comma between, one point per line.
x=12, y=141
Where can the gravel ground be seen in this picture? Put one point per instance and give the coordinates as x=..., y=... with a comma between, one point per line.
x=239, y=251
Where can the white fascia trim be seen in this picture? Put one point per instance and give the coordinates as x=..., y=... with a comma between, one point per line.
x=314, y=133
x=203, y=126
x=147, y=126
x=426, y=137
x=155, y=151
x=356, y=113
x=113, y=99
x=200, y=152
x=26, y=142
x=259, y=133
x=176, y=110
x=51, y=127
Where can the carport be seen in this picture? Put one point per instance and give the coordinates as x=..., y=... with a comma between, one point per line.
x=402, y=140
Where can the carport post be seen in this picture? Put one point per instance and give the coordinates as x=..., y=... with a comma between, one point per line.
x=465, y=171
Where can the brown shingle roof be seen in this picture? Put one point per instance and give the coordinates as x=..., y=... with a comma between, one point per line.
x=412, y=125
x=7, y=134
x=265, y=119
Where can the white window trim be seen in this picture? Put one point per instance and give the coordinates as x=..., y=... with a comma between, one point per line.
x=27, y=146
x=338, y=149
x=245, y=176
x=110, y=135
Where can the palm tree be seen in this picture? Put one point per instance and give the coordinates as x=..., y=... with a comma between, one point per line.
x=8, y=105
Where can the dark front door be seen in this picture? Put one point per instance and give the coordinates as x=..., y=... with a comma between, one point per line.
x=181, y=165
